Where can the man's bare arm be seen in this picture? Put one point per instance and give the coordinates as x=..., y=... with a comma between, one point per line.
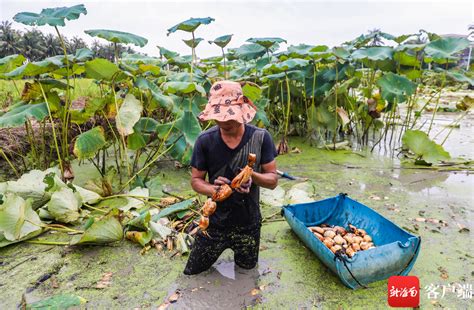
x=199, y=183
x=268, y=178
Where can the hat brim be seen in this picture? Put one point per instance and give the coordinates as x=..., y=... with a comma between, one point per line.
x=240, y=111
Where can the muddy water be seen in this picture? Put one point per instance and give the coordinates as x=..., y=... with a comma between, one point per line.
x=288, y=275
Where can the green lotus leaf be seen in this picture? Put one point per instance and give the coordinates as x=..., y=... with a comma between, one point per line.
x=190, y=25
x=31, y=185
x=253, y=92
x=193, y=43
x=164, y=52
x=136, y=141
x=373, y=53
x=287, y=65
x=83, y=54
x=36, y=68
x=134, y=203
x=406, y=59
x=140, y=222
x=61, y=301
x=266, y=42
x=174, y=208
x=396, y=88
x=17, y=116
x=102, y=231
x=64, y=205
x=188, y=124
x=118, y=36
x=222, y=41
x=183, y=88
x=51, y=16
x=128, y=114
x=341, y=52
x=18, y=221
x=444, y=49
x=101, y=69
x=11, y=62
x=249, y=51
x=419, y=143
x=89, y=143
x=146, y=124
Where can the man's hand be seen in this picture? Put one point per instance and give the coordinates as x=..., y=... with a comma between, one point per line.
x=221, y=181
x=245, y=187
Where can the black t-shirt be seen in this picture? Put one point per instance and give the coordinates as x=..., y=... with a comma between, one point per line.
x=211, y=154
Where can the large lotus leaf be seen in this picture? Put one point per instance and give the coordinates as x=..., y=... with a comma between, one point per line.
x=136, y=141
x=21, y=113
x=373, y=53
x=174, y=208
x=193, y=43
x=459, y=76
x=253, y=92
x=140, y=222
x=419, y=143
x=183, y=88
x=146, y=124
x=31, y=185
x=101, y=69
x=164, y=52
x=18, y=221
x=105, y=230
x=444, y=48
x=36, y=68
x=341, y=52
x=89, y=143
x=188, y=124
x=128, y=114
x=266, y=42
x=301, y=50
x=290, y=64
x=61, y=301
x=190, y=25
x=51, y=16
x=222, y=41
x=9, y=63
x=118, y=36
x=64, y=205
x=411, y=47
x=134, y=203
x=396, y=88
x=87, y=196
x=406, y=59
x=249, y=51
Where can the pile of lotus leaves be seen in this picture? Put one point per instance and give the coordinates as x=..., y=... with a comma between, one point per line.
x=40, y=201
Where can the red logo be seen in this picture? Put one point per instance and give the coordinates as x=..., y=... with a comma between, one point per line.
x=403, y=291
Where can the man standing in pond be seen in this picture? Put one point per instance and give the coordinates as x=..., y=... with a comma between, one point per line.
x=220, y=152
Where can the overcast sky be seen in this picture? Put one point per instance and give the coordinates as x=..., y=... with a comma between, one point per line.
x=310, y=22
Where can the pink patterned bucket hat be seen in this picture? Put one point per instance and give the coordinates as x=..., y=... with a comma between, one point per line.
x=227, y=102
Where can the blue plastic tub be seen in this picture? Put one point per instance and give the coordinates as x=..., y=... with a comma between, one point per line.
x=395, y=252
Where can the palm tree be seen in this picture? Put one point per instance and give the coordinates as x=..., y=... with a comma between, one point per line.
x=32, y=45
x=376, y=39
x=53, y=45
x=9, y=39
x=76, y=43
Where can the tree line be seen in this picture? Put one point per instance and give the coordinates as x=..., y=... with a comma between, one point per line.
x=36, y=45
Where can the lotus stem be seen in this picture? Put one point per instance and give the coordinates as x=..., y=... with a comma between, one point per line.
x=9, y=162
x=47, y=242
x=54, y=130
